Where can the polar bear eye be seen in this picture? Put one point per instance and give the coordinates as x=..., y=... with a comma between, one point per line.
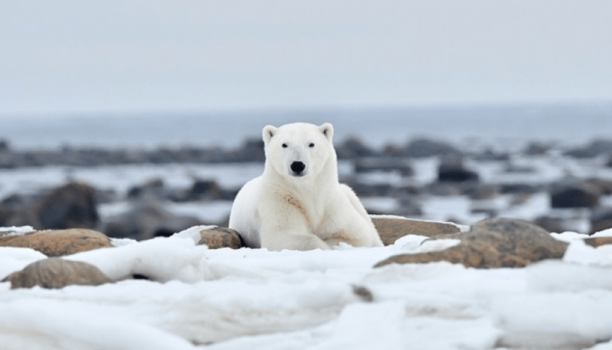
x=311, y=145
x=284, y=145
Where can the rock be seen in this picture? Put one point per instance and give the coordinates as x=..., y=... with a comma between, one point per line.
x=204, y=190
x=391, y=229
x=57, y=273
x=574, y=195
x=601, y=219
x=592, y=150
x=453, y=170
x=598, y=241
x=154, y=187
x=519, y=188
x=479, y=191
x=221, y=237
x=4, y=146
x=491, y=156
x=536, y=149
x=59, y=242
x=421, y=148
x=147, y=219
x=603, y=185
x=353, y=148
x=385, y=164
x=69, y=206
x=551, y=224
x=493, y=243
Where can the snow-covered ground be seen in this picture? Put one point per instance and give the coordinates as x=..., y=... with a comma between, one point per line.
x=256, y=299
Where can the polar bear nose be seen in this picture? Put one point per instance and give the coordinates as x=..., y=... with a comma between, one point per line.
x=298, y=167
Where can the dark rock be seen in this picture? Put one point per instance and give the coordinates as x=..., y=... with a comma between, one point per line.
x=353, y=148
x=551, y=224
x=519, y=188
x=592, y=150
x=486, y=209
x=147, y=219
x=4, y=146
x=391, y=229
x=494, y=243
x=371, y=190
x=452, y=170
x=491, y=156
x=69, y=206
x=57, y=273
x=251, y=151
x=604, y=185
x=520, y=169
x=536, y=149
x=574, y=195
x=601, y=219
x=609, y=162
x=154, y=187
x=408, y=206
x=205, y=190
x=221, y=237
x=384, y=164
x=479, y=191
x=363, y=293
x=59, y=242
x=5, y=215
x=421, y=148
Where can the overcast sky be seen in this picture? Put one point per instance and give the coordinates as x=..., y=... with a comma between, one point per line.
x=177, y=55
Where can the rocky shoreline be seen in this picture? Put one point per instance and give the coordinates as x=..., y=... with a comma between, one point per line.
x=77, y=204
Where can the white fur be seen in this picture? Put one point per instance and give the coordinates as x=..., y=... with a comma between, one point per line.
x=283, y=209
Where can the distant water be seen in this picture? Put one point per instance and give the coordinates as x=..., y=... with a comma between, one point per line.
x=501, y=126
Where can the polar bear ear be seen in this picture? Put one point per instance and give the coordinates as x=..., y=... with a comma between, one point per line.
x=328, y=130
x=267, y=133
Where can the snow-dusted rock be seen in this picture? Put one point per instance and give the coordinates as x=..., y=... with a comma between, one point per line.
x=391, y=228
x=58, y=242
x=494, y=243
x=56, y=273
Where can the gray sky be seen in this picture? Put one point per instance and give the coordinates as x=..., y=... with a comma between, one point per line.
x=150, y=55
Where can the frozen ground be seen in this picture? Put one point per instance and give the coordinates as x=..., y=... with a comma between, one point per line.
x=255, y=299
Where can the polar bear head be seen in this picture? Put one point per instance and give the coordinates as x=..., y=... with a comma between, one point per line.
x=299, y=150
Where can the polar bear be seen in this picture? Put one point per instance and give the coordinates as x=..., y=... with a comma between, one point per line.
x=298, y=203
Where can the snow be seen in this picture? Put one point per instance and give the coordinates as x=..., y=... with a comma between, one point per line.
x=16, y=230
x=257, y=299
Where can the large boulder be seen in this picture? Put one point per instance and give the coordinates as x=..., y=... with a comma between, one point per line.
x=601, y=219
x=58, y=242
x=69, y=206
x=56, y=273
x=493, y=243
x=390, y=229
x=594, y=149
x=452, y=169
x=574, y=195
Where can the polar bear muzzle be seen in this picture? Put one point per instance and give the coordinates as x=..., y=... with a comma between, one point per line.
x=298, y=168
